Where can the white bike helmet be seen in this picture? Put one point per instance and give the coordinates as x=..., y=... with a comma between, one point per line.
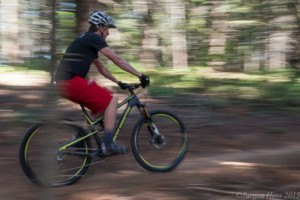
x=99, y=17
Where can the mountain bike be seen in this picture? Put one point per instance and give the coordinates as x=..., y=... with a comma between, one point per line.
x=60, y=153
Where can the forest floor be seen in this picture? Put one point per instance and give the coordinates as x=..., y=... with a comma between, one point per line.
x=235, y=153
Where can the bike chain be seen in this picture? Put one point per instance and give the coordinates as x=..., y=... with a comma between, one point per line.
x=92, y=163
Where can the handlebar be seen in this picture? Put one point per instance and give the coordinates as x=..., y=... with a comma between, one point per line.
x=130, y=86
x=133, y=86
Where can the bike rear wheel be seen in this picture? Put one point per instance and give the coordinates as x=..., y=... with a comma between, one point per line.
x=160, y=143
x=44, y=164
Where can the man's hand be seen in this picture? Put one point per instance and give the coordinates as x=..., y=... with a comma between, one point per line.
x=145, y=80
x=122, y=85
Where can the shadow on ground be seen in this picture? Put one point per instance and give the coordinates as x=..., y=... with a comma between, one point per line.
x=235, y=152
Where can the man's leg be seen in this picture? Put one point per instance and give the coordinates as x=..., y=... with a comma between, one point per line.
x=99, y=100
x=110, y=115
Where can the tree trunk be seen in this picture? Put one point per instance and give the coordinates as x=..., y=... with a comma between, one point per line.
x=83, y=10
x=176, y=9
x=293, y=57
x=150, y=49
x=218, y=36
x=10, y=50
x=278, y=44
x=53, y=42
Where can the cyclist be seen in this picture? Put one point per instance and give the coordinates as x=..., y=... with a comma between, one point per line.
x=74, y=66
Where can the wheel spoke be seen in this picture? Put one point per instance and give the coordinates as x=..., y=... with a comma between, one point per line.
x=159, y=145
x=44, y=163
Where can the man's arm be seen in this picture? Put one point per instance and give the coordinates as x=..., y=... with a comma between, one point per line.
x=102, y=69
x=120, y=62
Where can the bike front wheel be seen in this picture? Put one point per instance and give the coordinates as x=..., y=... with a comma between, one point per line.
x=159, y=143
x=43, y=162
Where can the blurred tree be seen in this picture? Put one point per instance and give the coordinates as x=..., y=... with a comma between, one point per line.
x=9, y=15
x=83, y=10
x=293, y=57
x=198, y=28
x=247, y=42
x=218, y=34
x=150, y=54
x=176, y=9
x=253, y=34
x=227, y=35
x=53, y=41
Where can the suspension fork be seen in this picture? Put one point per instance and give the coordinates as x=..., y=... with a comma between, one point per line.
x=150, y=124
x=144, y=111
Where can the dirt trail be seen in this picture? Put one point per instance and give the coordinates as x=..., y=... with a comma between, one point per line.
x=232, y=150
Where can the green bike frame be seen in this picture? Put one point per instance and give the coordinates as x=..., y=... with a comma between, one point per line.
x=131, y=102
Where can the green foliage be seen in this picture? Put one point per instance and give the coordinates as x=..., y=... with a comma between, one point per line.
x=249, y=25
x=22, y=69
x=267, y=90
x=286, y=94
x=37, y=64
x=197, y=2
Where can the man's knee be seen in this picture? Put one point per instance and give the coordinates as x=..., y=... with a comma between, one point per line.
x=114, y=99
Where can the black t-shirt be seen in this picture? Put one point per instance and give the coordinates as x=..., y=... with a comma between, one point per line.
x=80, y=55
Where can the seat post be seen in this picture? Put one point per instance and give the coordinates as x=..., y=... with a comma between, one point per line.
x=86, y=114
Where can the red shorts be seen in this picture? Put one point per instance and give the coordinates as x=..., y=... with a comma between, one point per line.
x=87, y=93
